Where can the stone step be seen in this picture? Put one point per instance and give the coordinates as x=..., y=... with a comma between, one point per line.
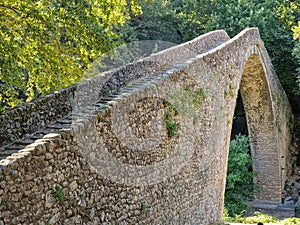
x=65, y=121
x=13, y=148
x=37, y=136
x=25, y=141
x=58, y=126
x=21, y=144
x=6, y=153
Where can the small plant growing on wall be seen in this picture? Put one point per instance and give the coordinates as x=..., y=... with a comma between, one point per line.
x=58, y=193
x=143, y=207
x=188, y=102
x=170, y=123
x=197, y=96
x=297, y=211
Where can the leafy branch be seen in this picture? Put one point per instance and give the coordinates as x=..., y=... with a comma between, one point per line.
x=10, y=8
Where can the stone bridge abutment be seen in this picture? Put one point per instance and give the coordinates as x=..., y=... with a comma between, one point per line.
x=153, y=148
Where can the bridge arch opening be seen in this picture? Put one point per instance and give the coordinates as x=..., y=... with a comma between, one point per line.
x=239, y=122
x=257, y=102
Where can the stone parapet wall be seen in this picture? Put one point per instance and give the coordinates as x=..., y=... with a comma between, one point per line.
x=153, y=152
x=26, y=119
x=64, y=178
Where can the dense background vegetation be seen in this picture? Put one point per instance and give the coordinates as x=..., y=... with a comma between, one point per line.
x=47, y=45
x=181, y=20
x=239, y=181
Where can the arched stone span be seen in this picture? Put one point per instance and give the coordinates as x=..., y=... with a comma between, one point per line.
x=260, y=117
x=155, y=150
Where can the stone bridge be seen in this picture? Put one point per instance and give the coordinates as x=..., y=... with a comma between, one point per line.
x=146, y=143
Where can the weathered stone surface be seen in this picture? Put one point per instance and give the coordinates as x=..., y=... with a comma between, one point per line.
x=54, y=219
x=155, y=152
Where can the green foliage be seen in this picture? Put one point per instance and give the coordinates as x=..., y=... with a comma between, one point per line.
x=298, y=209
x=174, y=21
x=172, y=126
x=193, y=16
x=239, y=182
x=240, y=188
x=170, y=123
x=156, y=22
x=58, y=193
x=179, y=21
x=296, y=51
x=197, y=96
x=143, y=208
x=271, y=19
x=47, y=45
x=291, y=221
x=260, y=217
x=188, y=102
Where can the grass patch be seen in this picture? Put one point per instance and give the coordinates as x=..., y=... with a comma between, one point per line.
x=260, y=217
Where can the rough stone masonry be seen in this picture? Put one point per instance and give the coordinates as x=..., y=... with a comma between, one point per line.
x=152, y=151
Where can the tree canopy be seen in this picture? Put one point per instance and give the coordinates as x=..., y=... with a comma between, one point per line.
x=47, y=45
x=180, y=21
x=296, y=50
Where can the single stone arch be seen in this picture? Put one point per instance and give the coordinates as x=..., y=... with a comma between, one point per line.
x=185, y=185
x=260, y=116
